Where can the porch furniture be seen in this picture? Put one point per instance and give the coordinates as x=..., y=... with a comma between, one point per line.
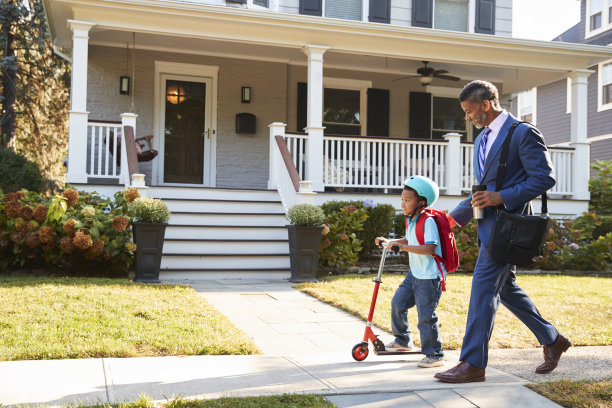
x=142, y=145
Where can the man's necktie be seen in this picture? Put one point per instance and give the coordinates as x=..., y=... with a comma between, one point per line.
x=483, y=146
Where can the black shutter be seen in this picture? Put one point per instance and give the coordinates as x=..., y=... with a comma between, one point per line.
x=380, y=11
x=485, y=17
x=311, y=7
x=302, y=106
x=420, y=115
x=378, y=112
x=422, y=13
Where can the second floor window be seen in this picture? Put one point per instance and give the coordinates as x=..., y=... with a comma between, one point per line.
x=606, y=84
x=344, y=9
x=599, y=16
x=451, y=15
x=595, y=11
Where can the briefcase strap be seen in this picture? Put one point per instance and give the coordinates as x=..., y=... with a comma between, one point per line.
x=503, y=159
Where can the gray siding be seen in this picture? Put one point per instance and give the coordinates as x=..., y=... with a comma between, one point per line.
x=503, y=18
x=601, y=150
x=242, y=160
x=551, y=118
x=599, y=123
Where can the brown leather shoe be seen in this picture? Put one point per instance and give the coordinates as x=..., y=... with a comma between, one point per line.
x=462, y=373
x=552, y=354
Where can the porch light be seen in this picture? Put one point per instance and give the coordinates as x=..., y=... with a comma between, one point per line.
x=124, y=85
x=246, y=94
x=425, y=80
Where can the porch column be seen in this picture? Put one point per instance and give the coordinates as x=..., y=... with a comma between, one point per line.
x=127, y=119
x=276, y=129
x=453, y=170
x=314, y=124
x=77, y=134
x=578, y=131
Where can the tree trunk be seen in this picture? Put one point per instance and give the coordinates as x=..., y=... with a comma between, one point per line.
x=9, y=81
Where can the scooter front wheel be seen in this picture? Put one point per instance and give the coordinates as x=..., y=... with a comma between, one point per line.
x=360, y=352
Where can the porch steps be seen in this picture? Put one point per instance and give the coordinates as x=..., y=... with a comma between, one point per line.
x=223, y=230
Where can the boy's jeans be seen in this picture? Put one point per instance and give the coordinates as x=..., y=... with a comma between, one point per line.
x=425, y=294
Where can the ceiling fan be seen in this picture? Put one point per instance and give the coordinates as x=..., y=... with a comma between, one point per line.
x=426, y=74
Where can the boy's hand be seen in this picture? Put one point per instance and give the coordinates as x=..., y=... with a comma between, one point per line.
x=378, y=240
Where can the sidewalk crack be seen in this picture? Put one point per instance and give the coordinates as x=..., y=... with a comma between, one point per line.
x=327, y=383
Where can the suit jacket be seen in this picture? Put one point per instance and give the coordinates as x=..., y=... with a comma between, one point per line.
x=529, y=173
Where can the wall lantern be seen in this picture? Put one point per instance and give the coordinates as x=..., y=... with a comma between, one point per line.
x=124, y=85
x=246, y=94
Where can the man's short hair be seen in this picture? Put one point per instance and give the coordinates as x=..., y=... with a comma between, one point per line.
x=480, y=91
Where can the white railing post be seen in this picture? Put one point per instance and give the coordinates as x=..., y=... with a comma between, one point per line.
x=77, y=133
x=453, y=170
x=314, y=124
x=578, y=129
x=276, y=129
x=306, y=193
x=127, y=119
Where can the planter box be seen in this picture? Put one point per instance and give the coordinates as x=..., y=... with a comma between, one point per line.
x=149, y=239
x=304, y=245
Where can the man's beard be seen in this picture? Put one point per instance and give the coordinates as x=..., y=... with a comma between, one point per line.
x=481, y=118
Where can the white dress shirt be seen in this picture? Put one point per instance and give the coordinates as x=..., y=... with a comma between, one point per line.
x=495, y=127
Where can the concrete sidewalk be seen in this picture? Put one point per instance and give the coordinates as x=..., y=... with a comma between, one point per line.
x=306, y=345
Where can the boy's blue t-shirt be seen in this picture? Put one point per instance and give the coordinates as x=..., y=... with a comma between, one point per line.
x=424, y=266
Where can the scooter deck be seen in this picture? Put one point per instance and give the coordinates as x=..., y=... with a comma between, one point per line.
x=395, y=353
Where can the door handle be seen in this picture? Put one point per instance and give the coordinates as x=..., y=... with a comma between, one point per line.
x=207, y=133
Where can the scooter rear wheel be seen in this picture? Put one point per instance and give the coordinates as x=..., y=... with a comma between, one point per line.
x=360, y=352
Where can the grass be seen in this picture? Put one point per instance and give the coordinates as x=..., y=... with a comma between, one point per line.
x=59, y=318
x=579, y=307
x=577, y=394
x=272, y=401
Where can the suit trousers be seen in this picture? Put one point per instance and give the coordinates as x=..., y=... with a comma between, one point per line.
x=494, y=282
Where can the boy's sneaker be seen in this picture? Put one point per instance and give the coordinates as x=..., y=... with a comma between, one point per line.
x=393, y=346
x=429, y=362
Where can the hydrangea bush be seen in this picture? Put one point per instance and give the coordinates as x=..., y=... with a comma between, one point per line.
x=72, y=233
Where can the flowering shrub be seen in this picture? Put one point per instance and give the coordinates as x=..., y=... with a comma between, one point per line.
x=340, y=245
x=70, y=233
x=306, y=215
x=145, y=209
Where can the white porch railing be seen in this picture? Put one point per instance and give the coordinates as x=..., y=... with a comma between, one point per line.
x=102, y=149
x=384, y=163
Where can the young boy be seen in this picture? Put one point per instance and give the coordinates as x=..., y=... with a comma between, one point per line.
x=422, y=286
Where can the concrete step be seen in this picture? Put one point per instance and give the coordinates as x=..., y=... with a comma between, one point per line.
x=239, y=233
x=204, y=218
x=225, y=261
x=218, y=246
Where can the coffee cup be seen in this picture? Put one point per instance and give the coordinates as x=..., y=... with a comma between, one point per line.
x=478, y=212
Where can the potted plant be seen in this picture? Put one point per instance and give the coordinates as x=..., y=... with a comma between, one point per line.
x=151, y=217
x=304, y=240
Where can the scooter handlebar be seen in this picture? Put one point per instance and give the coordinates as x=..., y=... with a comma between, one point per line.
x=395, y=248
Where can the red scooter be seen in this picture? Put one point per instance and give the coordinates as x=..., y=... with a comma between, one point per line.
x=360, y=350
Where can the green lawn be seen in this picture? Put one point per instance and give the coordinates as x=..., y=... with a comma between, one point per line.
x=577, y=394
x=58, y=318
x=578, y=306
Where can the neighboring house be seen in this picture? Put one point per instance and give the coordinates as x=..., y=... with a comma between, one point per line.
x=215, y=81
x=550, y=105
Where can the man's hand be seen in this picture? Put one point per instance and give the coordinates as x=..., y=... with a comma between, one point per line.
x=483, y=199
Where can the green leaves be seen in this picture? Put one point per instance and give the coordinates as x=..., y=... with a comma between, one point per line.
x=57, y=210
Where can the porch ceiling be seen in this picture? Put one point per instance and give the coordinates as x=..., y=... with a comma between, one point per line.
x=190, y=27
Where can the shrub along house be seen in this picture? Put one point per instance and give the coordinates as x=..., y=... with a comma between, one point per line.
x=363, y=93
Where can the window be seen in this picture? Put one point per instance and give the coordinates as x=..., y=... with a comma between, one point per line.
x=605, y=86
x=599, y=17
x=447, y=117
x=344, y=9
x=451, y=15
x=527, y=106
x=341, y=111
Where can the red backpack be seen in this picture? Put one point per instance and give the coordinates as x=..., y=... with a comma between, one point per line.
x=450, y=256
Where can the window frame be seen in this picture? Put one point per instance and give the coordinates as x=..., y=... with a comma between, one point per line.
x=606, y=21
x=600, y=105
x=352, y=85
x=272, y=5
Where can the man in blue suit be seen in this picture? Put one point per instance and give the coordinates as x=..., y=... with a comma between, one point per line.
x=529, y=173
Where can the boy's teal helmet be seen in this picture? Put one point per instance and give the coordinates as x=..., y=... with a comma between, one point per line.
x=424, y=187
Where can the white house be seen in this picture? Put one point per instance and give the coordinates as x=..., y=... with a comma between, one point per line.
x=215, y=81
